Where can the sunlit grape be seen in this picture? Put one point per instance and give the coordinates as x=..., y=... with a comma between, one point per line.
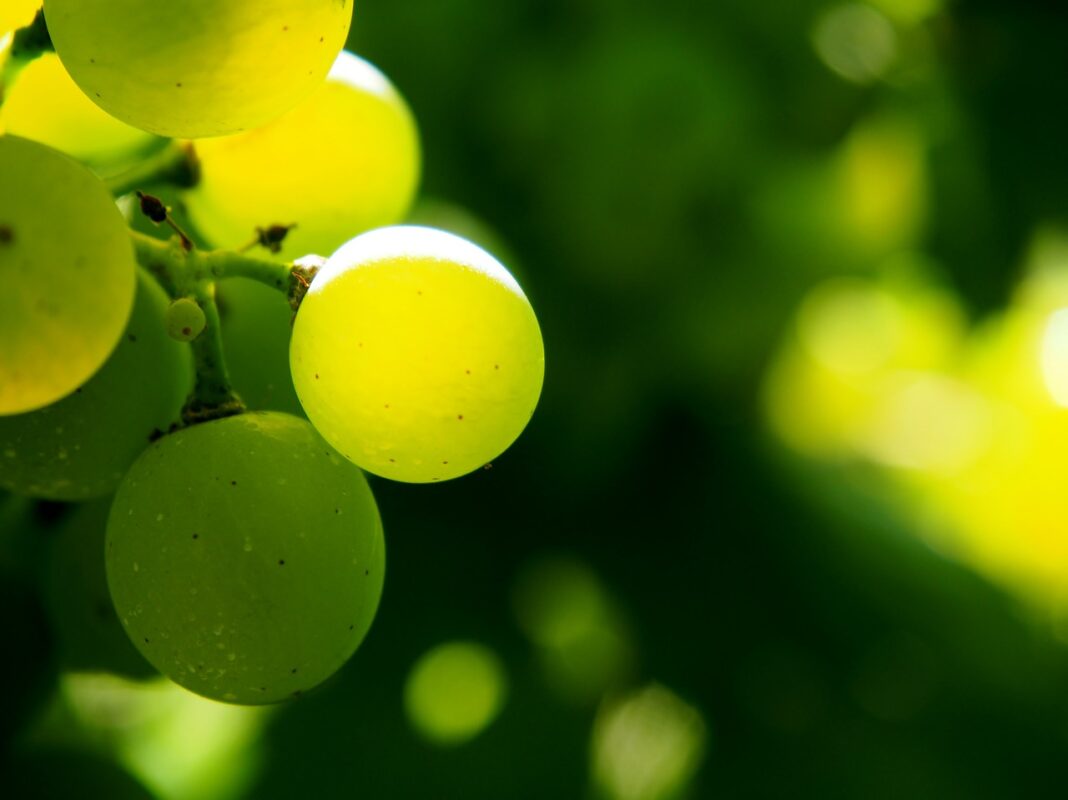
x=194, y=68
x=68, y=272
x=45, y=105
x=344, y=161
x=81, y=446
x=245, y=557
x=417, y=355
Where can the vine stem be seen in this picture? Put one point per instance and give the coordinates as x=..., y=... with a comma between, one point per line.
x=176, y=163
x=187, y=272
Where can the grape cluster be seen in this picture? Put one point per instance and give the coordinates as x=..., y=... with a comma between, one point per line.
x=244, y=551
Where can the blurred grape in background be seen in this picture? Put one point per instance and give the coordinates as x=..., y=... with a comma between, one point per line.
x=791, y=519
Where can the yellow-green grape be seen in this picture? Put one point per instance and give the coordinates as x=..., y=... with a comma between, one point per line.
x=195, y=68
x=80, y=447
x=17, y=14
x=343, y=162
x=245, y=557
x=185, y=319
x=417, y=355
x=256, y=323
x=67, y=269
x=45, y=105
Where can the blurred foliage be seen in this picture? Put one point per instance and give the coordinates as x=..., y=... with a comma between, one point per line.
x=789, y=521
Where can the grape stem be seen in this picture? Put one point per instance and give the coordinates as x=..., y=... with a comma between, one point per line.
x=175, y=164
x=188, y=272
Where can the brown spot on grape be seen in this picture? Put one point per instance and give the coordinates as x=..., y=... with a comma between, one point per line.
x=131, y=337
x=187, y=331
x=293, y=671
x=351, y=627
x=496, y=366
x=316, y=376
x=196, y=535
x=178, y=85
x=367, y=572
x=7, y=235
x=233, y=483
x=146, y=640
x=460, y=416
x=281, y=562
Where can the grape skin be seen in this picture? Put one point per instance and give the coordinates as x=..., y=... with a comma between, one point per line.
x=45, y=105
x=245, y=557
x=16, y=14
x=417, y=355
x=196, y=68
x=343, y=162
x=80, y=447
x=68, y=272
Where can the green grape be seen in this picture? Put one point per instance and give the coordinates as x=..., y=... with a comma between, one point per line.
x=68, y=272
x=195, y=68
x=417, y=355
x=17, y=14
x=256, y=323
x=45, y=105
x=185, y=320
x=343, y=162
x=80, y=447
x=88, y=635
x=245, y=557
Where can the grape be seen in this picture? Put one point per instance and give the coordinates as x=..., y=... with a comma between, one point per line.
x=416, y=354
x=185, y=320
x=195, y=68
x=45, y=105
x=68, y=272
x=256, y=325
x=80, y=447
x=17, y=14
x=88, y=634
x=245, y=557
x=343, y=162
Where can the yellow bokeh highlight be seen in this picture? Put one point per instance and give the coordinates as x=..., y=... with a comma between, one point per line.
x=647, y=745
x=454, y=692
x=971, y=424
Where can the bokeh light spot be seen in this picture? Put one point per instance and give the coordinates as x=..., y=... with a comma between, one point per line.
x=455, y=691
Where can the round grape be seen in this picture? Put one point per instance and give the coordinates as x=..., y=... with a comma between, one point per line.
x=185, y=319
x=68, y=272
x=245, y=557
x=17, y=14
x=344, y=161
x=81, y=446
x=417, y=355
x=256, y=323
x=45, y=105
x=195, y=68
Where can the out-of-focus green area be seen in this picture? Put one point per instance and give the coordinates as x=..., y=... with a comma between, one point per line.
x=791, y=519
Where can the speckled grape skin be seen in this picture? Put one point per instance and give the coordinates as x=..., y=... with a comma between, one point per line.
x=67, y=270
x=416, y=354
x=245, y=557
x=195, y=68
x=80, y=447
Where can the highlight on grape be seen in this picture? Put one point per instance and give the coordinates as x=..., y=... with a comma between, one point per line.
x=145, y=262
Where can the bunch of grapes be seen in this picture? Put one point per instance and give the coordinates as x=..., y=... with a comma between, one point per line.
x=244, y=552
